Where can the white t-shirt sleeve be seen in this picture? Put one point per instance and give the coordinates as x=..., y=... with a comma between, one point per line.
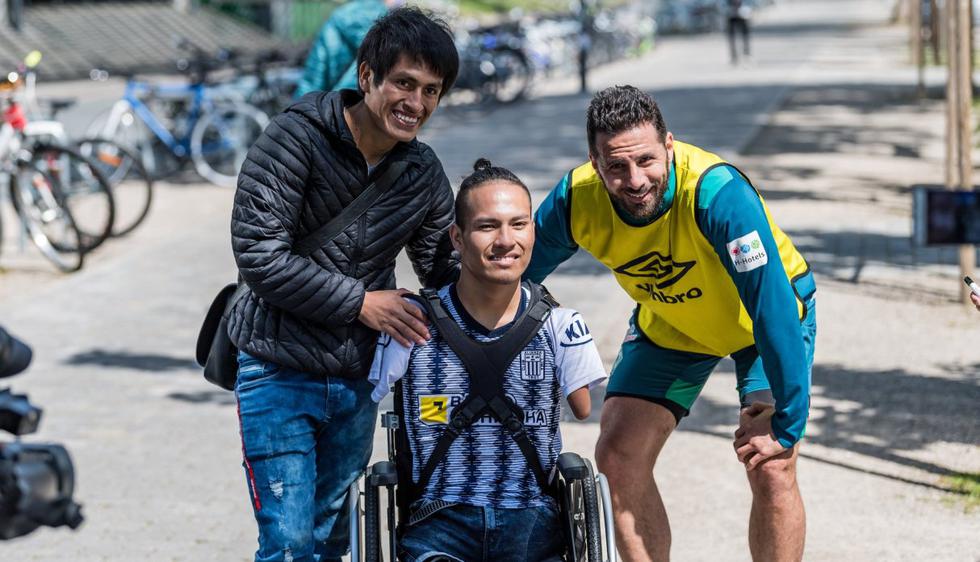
x=576, y=355
x=390, y=364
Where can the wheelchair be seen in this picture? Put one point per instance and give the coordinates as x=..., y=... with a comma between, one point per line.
x=583, y=496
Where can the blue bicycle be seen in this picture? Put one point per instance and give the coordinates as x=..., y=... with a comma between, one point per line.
x=171, y=124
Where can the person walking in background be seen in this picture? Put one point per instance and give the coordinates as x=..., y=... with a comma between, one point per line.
x=738, y=22
x=307, y=325
x=331, y=64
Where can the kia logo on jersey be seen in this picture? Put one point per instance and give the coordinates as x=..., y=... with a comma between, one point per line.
x=662, y=268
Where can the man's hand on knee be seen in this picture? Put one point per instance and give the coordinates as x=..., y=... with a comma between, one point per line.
x=754, y=440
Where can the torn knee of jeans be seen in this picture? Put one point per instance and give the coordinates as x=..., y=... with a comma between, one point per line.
x=287, y=554
x=276, y=487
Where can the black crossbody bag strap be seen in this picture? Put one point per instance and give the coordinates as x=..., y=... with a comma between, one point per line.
x=316, y=239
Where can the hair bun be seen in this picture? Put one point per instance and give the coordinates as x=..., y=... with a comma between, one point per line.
x=481, y=165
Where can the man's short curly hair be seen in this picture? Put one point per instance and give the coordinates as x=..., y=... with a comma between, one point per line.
x=620, y=108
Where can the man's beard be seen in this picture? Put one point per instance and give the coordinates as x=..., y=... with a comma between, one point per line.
x=643, y=212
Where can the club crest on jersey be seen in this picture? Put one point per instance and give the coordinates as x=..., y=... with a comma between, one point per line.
x=532, y=365
x=663, y=269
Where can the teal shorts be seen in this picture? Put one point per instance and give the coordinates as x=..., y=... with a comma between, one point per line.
x=674, y=378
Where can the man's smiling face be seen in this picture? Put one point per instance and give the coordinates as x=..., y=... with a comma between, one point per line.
x=497, y=233
x=635, y=167
x=404, y=99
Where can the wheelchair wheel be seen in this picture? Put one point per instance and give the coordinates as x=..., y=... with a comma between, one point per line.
x=593, y=542
x=582, y=520
x=372, y=523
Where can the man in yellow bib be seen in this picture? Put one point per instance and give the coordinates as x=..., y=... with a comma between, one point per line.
x=692, y=242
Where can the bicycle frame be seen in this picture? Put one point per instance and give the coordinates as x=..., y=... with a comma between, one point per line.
x=131, y=101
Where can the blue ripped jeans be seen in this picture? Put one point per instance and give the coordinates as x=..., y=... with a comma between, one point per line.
x=304, y=440
x=467, y=533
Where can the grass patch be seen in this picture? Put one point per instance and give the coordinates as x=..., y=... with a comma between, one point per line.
x=967, y=485
x=474, y=7
x=499, y=6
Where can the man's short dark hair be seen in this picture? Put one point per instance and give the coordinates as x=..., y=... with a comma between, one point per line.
x=483, y=172
x=621, y=108
x=419, y=36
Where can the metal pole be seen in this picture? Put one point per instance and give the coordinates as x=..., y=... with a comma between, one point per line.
x=965, y=127
x=916, y=44
x=15, y=14
x=952, y=93
x=280, y=14
x=959, y=108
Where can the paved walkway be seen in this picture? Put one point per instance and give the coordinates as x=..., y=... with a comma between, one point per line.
x=824, y=122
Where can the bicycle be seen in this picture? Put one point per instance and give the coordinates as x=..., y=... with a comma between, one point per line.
x=131, y=186
x=84, y=190
x=192, y=122
x=266, y=81
x=35, y=190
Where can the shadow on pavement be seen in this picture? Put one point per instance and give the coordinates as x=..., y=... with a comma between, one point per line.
x=889, y=415
x=218, y=397
x=541, y=134
x=127, y=360
x=821, y=136
x=842, y=255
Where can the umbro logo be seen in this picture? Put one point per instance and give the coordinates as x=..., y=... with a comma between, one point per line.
x=662, y=268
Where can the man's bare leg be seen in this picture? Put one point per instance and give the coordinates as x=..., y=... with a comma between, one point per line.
x=632, y=433
x=777, y=524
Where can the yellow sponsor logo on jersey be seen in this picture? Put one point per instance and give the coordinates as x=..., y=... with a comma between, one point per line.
x=434, y=409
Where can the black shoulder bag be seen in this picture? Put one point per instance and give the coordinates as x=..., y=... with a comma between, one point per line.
x=215, y=351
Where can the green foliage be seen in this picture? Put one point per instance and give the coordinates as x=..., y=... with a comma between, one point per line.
x=966, y=484
x=472, y=7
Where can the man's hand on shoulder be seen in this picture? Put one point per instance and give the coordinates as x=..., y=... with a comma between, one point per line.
x=754, y=440
x=389, y=312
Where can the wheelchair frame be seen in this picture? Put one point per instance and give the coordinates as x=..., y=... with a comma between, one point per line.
x=582, y=493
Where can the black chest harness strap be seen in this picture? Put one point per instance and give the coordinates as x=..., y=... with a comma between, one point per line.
x=486, y=364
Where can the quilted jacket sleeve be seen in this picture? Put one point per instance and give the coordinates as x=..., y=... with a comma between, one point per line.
x=265, y=219
x=435, y=261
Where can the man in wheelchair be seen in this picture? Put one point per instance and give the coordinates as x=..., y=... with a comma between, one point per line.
x=480, y=402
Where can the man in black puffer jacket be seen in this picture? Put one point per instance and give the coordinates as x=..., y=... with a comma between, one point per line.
x=307, y=328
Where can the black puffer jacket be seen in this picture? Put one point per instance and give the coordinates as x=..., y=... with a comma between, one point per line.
x=303, y=170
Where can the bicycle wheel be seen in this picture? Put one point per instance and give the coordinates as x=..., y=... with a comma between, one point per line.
x=132, y=187
x=221, y=139
x=83, y=189
x=513, y=75
x=40, y=207
x=121, y=125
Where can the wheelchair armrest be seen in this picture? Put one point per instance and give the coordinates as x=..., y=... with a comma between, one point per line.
x=382, y=473
x=572, y=467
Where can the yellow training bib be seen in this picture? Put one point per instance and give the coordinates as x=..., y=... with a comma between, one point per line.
x=687, y=298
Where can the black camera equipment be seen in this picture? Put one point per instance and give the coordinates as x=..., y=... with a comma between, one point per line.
x=36, y=480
